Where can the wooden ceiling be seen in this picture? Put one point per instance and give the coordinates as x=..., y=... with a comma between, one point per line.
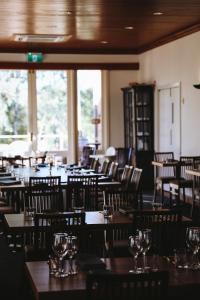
x=96, y=26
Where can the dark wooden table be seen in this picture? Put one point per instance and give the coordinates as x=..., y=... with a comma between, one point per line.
x=183, y=284
x=15, y=223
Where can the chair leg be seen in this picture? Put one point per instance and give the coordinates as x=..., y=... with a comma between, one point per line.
x=162, y=194
x=170, y=196
x=155, y=193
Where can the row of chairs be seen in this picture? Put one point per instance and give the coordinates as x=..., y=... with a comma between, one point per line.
x=168, y=233
x=167, y=177
x=116, y=286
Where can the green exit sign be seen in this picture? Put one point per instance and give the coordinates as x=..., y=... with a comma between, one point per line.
x=34, y=57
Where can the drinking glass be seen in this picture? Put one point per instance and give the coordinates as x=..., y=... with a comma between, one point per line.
x=135, y=250
x=145, y=237
x=107, y=210
x=72, y=249
x=60, y=250
x=193, y=242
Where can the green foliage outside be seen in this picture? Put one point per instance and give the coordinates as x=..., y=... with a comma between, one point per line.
x=87, y=113
x=13, y=103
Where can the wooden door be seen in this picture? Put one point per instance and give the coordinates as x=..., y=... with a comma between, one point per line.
x=169, y=125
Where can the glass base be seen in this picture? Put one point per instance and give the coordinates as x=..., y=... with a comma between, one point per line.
x=61, y=275
x=137, y=271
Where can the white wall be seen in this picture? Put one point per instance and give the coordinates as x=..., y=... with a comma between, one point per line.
x=178, y=61
x=118, y=79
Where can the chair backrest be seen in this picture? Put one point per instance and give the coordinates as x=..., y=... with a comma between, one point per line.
x=167, y=229
x=44, y=193
x=85, y=156
x=187, y=163
x=166, y=171
x=113, y=170
x=116, y=286
x=127, y=196
x=124, y=156
x=46, y=224
x=104, y=167
x=126, y=175
x=88, y=190
x=94, y=164
x=134, y=187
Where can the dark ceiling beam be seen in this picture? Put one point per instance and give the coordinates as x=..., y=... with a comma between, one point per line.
x=69, y=66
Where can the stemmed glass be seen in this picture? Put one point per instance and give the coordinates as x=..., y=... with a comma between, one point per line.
x=60, y=250
x=135, y=249
x=145, y=237
x=72, y=249
x=193, y=242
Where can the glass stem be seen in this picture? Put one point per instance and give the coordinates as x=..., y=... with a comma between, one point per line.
x=135, y=263
x=144, y=261
x=70, y=265
x=60, y=265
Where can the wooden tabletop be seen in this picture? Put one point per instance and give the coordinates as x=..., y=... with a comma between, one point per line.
x=193, y=172
x=16, y=223
x=183, y=284
x=162, y=164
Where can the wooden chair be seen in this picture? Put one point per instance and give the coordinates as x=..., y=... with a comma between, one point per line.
x=94, y=165
x=168, y=232
x=87, y=189
x=104, y=167
x=38, y=245
x=123, y=201
x=116, y=195
x=195, y=207
x=85, y=156
x=124, y=156
x=44, y=193
x=112, y=173
x=163, y=175
x=116, y=286
x=184, y=182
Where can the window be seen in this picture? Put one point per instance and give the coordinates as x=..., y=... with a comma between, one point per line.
x=35, y=109
x=14, y=107
x=89, y=107
x=51, y=110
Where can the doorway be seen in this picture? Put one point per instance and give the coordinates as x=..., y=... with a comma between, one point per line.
x=169, y=119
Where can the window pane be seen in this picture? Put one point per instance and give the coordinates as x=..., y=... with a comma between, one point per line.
x=89, y=107
x=14, y=106
x=52, y=110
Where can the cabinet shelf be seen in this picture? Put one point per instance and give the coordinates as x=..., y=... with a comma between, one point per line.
x=143, y=119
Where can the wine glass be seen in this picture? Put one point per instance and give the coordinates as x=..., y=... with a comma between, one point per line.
x=72, y=249
x=135, y=249
x=193, y=242
x=60, y=250
x=145, y=237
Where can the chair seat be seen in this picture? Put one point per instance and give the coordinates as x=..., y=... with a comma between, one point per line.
x=165, y=179
x=181, y=183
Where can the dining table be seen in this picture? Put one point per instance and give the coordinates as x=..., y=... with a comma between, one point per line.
x=184, y=283
x=15, y=182
x=17, y=223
